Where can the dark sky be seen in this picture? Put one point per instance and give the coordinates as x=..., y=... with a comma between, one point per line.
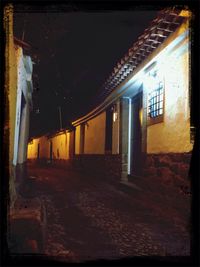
x=76, y=52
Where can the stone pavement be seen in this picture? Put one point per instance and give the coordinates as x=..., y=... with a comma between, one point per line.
x=90, y=219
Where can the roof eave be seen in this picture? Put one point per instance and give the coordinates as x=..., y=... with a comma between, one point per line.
x=122, y=87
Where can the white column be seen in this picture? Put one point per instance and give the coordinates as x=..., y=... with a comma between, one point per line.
x=17, y=125
x=129, y=134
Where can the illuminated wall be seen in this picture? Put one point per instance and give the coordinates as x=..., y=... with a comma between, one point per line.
x=44, y=147
x=115, y=129
x=23, y=103
x=11, y=76
x=77, y=139
x=32, y=149
x=173, y=134
x=10, y=95
x=68, y=145
x=43, y=150
x=95, y=135
x=24, y=133
x=60, y=147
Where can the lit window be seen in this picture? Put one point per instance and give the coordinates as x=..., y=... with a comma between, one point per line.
x=156, y=100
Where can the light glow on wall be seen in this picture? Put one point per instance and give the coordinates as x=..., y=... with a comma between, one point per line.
x=141, y=116
x=115, y=116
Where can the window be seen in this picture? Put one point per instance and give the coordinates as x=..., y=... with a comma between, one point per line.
x=156, y=102
x=155, y=99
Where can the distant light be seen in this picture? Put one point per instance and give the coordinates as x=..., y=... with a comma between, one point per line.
x=141, y=116
x=114, y=116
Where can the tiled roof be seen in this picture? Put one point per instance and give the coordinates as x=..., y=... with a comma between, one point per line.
x=167, y=21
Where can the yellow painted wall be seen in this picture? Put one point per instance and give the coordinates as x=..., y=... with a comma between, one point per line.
x=95, y=135
x=44, y=147
x=68, y=145
x=173, y=135
x=115, y=131
x=77, y=139
x=11, y=95
x=60, y=146
x=32, y=149
x=10, y=76
x=71, y=144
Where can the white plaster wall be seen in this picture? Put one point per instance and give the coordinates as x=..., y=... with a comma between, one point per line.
x=95, y=135
x=27, y=130
x=173, y=134
x=21, y=82
x=23, y=140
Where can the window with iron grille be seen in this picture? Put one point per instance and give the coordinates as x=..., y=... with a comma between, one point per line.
x=156, y=101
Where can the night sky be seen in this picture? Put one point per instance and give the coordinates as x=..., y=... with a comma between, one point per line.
x=74, y=53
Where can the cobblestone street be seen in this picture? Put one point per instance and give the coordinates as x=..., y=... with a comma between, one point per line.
x=90, y=219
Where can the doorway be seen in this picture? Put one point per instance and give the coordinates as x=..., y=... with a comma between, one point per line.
x=136, y=136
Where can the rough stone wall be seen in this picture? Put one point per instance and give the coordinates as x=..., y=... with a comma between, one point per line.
x=113, y=166
x=170, y=168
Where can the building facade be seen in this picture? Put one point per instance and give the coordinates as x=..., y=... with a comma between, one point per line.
x=141, y=123
x=18, y=90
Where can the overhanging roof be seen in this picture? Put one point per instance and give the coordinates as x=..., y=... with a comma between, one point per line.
x=139, y=55
x=167, y=21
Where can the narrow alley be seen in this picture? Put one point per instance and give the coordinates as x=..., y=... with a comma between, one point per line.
x=90, y=219
x=100, y=132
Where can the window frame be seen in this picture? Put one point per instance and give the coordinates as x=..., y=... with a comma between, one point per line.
x=159, y=118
